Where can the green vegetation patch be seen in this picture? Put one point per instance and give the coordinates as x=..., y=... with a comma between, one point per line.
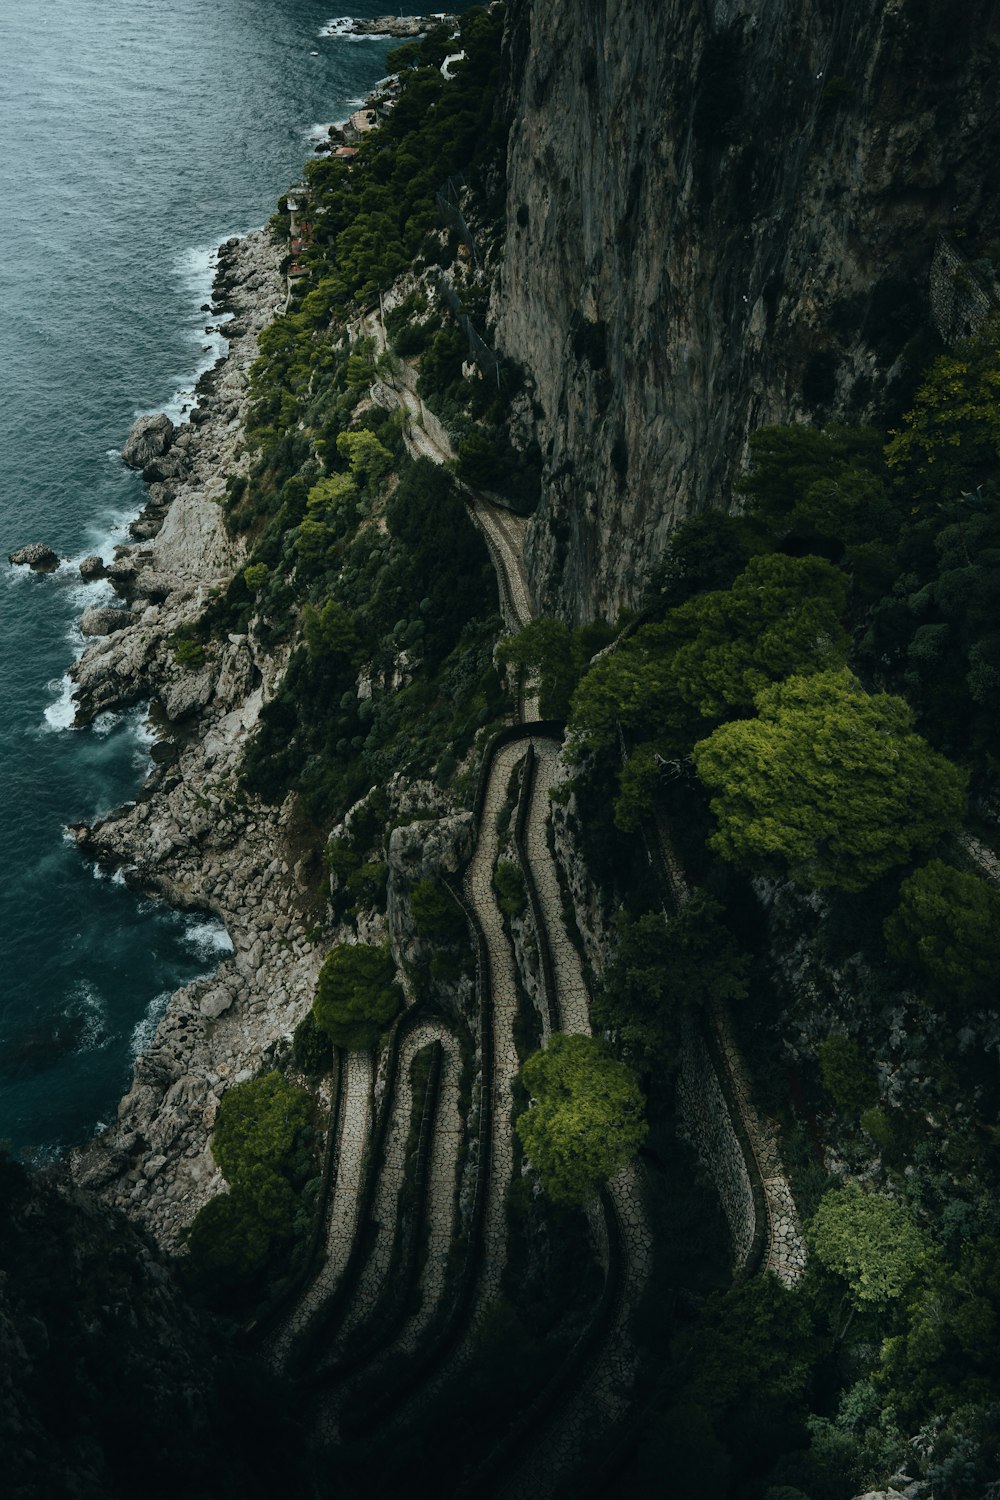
x=829, y=782
x=947, y=927
x=357, y=996
x=263, y=1144
x=665, y=971
x=586, y=1119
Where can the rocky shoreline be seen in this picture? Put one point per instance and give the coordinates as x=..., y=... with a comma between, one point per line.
x=192, y=836
x=403, y=27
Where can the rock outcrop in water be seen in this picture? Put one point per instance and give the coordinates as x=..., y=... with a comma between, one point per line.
x=92, y=569
x=720, y=216
x=37, y=556
x=149, y=438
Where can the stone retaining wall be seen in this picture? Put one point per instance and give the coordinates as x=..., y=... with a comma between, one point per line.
x=706, y=1124
x=961, y=304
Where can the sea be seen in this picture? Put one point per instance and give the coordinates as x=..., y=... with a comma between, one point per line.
x=135, y=135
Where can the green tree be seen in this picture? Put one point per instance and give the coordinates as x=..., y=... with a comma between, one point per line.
x=950, y=441
x=586, y=1119
x=557, y=654
x=822, y=486
x=947, y=924
x=946, y=1356
x=829, y=781
x=228, y=1240
x=703, y=553
x=329, y=631
x=671, y=682
x=512, y=894
x=871, y=1241
x=312, y=1050
x=438, y=916
x=664, y=970
x=259, y=1128
x=781, y=615
x=749, y=1353
x=367, y=459
x=255, y=576
x=357, y=996
x=848, y=1076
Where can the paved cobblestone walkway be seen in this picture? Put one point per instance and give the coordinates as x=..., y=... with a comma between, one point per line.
x=442, y=1184
x=602, y=1398
x=599, y=1395
x=503, y=984
x=572, y=1006
x=343, y=1211
x=390, y=1176
x=786, y=1245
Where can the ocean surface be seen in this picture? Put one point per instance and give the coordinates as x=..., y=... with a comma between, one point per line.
x=134, y=136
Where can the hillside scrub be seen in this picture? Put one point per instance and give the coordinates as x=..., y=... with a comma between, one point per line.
x=357, y=996
x=586, y=1118
x=262, y=1143
x=828, y=782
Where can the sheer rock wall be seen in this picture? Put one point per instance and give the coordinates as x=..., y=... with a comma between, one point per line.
x=719, y=215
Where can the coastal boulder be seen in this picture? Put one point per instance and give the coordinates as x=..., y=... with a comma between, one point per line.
x=172, y=466
x=188, y=693
x=98, y=620
x=149, y=438
x=36, y=556
x=93, y=568
x=216, y=1002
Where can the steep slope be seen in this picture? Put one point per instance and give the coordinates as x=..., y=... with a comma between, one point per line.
x=721, y=215
x=110, y=1382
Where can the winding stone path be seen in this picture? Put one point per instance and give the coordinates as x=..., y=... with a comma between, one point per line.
x=441, y=1188
x=605, y=1393
x=355, y=1123
x=603, y=1396
x=596, y=1395
x=572, y=1005
x=503, y=985
x=786, y=1245
x=391, y=1177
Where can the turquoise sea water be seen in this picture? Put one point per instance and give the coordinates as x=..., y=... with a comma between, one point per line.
x=134, y=136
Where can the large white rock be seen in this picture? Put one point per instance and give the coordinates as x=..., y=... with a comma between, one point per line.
x=149, y=438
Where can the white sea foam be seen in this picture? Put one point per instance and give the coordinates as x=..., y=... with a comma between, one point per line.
x=341, y=26
x=104, y=723
x=104, y=534
x=118, y=876
x=60, y=714
x=88, y=1005
x=145, y=1030
x=82, y=595
x=208, y=937
x=140, y=726
x=321, y=131
x=144, y=735
x=195, y=270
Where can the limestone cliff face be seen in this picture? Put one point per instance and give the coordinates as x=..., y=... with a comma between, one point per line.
x=720, y=214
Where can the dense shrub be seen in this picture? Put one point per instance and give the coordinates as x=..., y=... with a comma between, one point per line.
x=848, y=1076
x=262, y=1142
x=586, y=1118
x=947, y=926
x=829, y=782
x=512, y=895
x=357, y=996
